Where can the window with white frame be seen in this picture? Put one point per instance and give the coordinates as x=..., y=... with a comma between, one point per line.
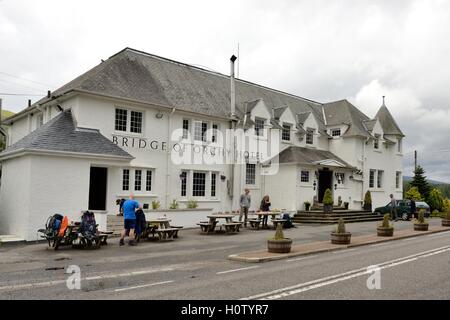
x=183, y=178
x=137, y=180
x=250, y=173
x=148, y=181
x=376, y=142
x=121, y=119
x=136, y=122
x=213, y=184
x=185, y=128
x=372, y=178
x=286, y=133
x=215, y=130
x=336, y=132
x=259, y=126
x=304, y=176
x=127, y=120
x=380, y=179
x=126, y=179
x=310, y=136
x=200, y=129
x=40, y=120
x=399, y=145
x=398, y=179
x=198, y=184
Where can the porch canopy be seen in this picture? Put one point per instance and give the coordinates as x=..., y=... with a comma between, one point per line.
x=310, y=156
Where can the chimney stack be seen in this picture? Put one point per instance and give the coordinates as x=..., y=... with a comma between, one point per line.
x=29, y=103
x=0, y=111
x=233, y=89
x=49, y=94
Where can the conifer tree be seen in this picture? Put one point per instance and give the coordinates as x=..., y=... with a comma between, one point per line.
x=420, y=181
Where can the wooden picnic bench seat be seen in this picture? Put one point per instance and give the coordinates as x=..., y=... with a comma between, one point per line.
x=176, y=232
x=207, y=226
x=277, y=221
x=167, y=234
x=232, y=227
x=254, y=223
x=104, y=237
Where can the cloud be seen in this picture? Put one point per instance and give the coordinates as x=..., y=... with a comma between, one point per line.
x=322, y=50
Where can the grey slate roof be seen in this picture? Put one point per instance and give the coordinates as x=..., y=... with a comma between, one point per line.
x=60, y=134
x=278, y=112
x=308, y=156
x=139, y=76
x=369, y=124
x=387, y=122
x=342, y=111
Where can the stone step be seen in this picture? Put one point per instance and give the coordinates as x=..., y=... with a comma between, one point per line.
x=346, y=215
x=334, y=211
x=337, y=217
x=10, y=239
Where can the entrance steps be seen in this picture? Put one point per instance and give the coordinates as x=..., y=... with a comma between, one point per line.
x=10, y=239
x=114, y=224
x=319, y=217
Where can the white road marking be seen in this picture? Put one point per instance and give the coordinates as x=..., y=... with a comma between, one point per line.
x=143, y=286
x=440, y=234
x=234, y=270
x=298, y=288
x=301, y=258
x=409, y=239
x=63, y=281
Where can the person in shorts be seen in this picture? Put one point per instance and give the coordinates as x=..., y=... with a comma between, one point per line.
x=129, y=220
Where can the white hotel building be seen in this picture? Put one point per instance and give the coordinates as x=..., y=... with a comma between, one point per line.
x=109, y=132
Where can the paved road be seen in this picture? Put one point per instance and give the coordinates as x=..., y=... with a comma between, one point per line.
x=195, y=267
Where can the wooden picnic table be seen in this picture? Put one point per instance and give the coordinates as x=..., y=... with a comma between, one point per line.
x=230, y=225
x=261, y=214
x=163, y=228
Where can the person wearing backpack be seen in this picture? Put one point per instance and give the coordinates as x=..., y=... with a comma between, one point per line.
x=129, y=220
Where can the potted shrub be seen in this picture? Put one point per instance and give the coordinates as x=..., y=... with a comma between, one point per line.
x=279, y=244
x=328, y=201
x=174, y=205
x=446, y=220
x=385, y=229
x=307, y=205
x=156, y=204
x=420, y=224
x=368, y=201
x=192, y=204
x=340, y=236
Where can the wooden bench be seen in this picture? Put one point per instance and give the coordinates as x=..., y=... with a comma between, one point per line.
x=176, y=232
x=206, y=226
x=167, y=234
x=254, y=223
x=104, y=237
x=232, y=227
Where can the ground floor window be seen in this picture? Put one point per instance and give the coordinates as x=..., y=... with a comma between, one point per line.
x=183, y=178
x=398, y=178
x=372, y=179
x=213, y=184
x=137, y=180
x=126, y=180
x=148, y=181
x=304, y=176
x=199, y=184
x=380, y=179
x=250, y=173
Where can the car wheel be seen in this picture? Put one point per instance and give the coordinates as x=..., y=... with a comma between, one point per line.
x=405, y=216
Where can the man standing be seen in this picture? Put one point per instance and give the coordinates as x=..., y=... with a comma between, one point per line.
x=129, y=219
x=393, y=208
x=413, y=208
x=244, y=202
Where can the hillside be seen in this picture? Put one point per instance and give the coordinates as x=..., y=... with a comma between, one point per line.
x=6, y=114
x=444, y=187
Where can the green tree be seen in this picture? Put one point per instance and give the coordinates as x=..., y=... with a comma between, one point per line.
x=436, y=200
x=413, y=193
x=328, y=197
x=420, y=181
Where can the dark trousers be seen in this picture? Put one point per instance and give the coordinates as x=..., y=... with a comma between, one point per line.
x=394, y=213
x=244, y=211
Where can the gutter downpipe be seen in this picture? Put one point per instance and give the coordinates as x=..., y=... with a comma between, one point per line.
x=169, y=127
x=233, y=127
x=363, y=168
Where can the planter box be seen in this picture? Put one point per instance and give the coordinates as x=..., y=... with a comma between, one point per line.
x=340, y=238
x=420, y=226
x=446, y=222
x=279, y=246
x=385, y=232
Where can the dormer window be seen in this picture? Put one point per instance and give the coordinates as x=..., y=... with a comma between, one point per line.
x=310, y=136
x=286, y=133
x=200, y=129
x=259, y=126
x=376, y=142
x=336, y=132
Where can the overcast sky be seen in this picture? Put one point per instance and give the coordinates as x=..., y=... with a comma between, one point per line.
x=321, y=50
